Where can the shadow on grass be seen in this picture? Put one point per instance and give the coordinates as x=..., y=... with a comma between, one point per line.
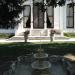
x=17, y=49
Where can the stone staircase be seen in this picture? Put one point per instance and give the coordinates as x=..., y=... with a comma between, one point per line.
x=61, y=38
x=16, y=38
x=29, y=38
x=37, y=38
x=37, y=34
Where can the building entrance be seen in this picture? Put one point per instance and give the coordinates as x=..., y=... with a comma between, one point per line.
x=38, y=16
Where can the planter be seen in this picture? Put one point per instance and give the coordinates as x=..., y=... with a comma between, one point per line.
x=26, y=33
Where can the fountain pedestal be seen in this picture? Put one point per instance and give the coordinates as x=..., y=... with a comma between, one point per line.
x=40, y=63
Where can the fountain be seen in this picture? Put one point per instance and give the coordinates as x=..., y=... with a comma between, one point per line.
x=40, y=65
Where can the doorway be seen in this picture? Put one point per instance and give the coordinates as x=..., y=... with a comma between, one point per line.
x=38, y=17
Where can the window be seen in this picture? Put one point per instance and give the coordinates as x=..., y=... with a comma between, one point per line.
x=26, y=16
x=70, y=16
x=50, y=17
x=38, y=15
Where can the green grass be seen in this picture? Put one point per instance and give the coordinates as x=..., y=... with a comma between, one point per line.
x=16, y=49
x=5, y=35
x=72, y=35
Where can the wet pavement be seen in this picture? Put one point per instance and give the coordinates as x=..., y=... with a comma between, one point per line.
x=56, y=69
x=22, y=66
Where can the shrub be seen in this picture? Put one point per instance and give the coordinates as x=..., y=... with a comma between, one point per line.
x=3, y=35
x=72, y=35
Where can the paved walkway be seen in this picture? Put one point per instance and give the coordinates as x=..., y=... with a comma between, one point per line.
x=58, y=40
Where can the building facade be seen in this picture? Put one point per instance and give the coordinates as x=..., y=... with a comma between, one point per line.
x=40, y=23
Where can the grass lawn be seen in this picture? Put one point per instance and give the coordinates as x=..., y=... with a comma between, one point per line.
x=71, y=35
x=16, y=49
x=6, y=36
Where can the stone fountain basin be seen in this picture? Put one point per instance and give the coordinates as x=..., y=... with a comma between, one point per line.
x=41, y=66
x=37, y=56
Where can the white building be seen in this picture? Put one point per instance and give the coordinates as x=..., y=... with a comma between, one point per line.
x=34, y=20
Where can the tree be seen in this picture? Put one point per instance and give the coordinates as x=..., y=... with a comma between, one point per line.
x=53, y=3
x=9, y=11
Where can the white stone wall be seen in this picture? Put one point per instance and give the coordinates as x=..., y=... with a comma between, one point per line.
x=20, y=29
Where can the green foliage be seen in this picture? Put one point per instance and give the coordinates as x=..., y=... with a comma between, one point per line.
x=72, y=35
x=53, y=3
x=56, y=2
x=9, y=10
x=5, y=36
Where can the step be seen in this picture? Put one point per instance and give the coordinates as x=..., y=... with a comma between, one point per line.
x=29, y=38
x=61, y=38
x=38, y=38
x=39, y=32
x=16, y=38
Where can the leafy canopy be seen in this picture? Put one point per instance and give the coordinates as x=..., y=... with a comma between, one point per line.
x=10, y=9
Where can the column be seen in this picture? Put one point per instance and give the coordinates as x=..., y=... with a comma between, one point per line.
x=57, y=17
x=62, y=18
x=45, y=19
x=74, y=18
x=31, y=14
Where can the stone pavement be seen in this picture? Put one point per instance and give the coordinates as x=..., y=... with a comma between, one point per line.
x=55, y=40
x=23, y=69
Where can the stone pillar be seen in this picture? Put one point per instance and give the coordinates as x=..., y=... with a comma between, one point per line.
x=45, y=18
x=31, y=14
x=62, y=18
x=57, y=17
x=31, y=18
x=74, y=18
x=45, y=21
x=57, y=20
